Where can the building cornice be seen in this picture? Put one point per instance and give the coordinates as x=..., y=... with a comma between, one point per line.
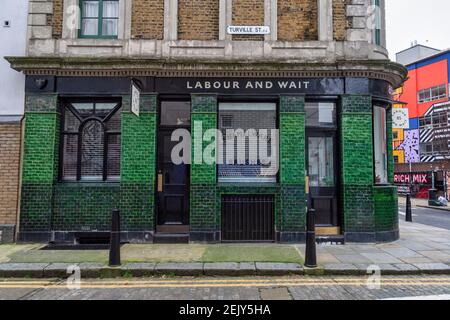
x=386, y=70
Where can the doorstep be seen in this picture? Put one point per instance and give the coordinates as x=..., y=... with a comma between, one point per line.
x=96, y=270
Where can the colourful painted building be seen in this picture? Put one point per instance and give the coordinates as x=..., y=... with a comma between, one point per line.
x=422, y=145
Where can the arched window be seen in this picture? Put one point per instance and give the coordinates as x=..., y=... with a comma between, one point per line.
x=91, y=141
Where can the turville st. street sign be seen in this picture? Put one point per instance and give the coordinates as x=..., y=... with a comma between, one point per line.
x=248, y=30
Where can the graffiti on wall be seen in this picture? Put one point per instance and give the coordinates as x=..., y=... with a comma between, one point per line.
x=410, y=146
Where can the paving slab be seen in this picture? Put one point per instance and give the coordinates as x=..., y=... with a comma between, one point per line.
x=402, y=252
x=381, y=258
x=267, y=268
x=352, y=258
x=385, y=268
x=22, y=270
x=341, y=269
x=438, y=268
x=407, y=268
x=139, y=269
x=181, y=269
x=58, y=270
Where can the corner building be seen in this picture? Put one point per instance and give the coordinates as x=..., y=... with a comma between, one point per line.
x=319, y=75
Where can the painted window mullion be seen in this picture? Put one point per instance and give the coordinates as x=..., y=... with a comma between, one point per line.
x=100, y=18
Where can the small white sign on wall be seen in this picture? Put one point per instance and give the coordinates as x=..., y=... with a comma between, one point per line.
x=400, y=118
x=261, y=30
x=135, y=99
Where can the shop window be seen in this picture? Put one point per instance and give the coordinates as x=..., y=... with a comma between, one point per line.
x=99, y=18
x=249, y=152
x=380, y=145
x=91, y=141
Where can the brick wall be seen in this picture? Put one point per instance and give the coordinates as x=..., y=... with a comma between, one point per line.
x=55, y=20
x=297, y=20
x=10, y=136
x=248, y=13
x=198, y=19
x=147, y=20
x=340, y=22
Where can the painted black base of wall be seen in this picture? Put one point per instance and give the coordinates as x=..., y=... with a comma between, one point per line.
x=7, y=232
x=372, y=237
x=69, y=236
x=291, y=237
x=204, y=236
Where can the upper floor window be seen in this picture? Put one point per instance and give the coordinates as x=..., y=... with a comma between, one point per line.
x=91, y=141
x=430, y=94
x=377, y=22
x=99, y=18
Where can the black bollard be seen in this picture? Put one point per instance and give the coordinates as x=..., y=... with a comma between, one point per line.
x=310, y=254
x=114, y=248
x=408, y=214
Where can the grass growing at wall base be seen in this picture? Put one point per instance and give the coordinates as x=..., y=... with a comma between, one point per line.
x=160, y=253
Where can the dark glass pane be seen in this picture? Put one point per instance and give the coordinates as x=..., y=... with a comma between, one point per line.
x=84, y=109
x=113, y=123
x=175, y=113
x=113, y=156
x=320, y=160
x=320, y=114
x=103, y=109
x=71, y=123
x=92, y=151
x=69, y=171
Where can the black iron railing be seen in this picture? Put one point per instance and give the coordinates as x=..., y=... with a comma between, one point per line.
x=248, y=218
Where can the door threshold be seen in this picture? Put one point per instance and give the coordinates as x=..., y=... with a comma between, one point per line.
x=172, y=228
x=328, y=231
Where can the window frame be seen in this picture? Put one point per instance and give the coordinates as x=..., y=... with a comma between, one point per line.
x=100, y=18
x=386, y=108
x=66, y=106
x=251, y=100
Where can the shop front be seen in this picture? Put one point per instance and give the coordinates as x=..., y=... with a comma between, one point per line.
x=193, y=157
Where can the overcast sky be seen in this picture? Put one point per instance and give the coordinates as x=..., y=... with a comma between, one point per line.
x=427, y=21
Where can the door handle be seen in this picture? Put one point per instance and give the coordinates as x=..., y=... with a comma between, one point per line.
x=160, y=182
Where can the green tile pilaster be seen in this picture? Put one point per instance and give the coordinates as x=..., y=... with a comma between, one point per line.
x=138, y=164
x=203, y=214
x=357, y=166
x=292, y=163
x=40, y=162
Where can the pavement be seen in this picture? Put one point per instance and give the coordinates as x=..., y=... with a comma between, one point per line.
x=423, y=203
x=421, y=249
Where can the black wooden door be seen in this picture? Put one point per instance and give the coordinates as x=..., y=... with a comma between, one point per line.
x=172, y=184
x=322, y=171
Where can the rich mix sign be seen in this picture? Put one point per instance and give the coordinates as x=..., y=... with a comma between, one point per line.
x=417, y=178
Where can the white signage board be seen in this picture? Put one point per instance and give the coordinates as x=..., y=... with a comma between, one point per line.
x=135, y=99
x=400, y=118
x=248, y=30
